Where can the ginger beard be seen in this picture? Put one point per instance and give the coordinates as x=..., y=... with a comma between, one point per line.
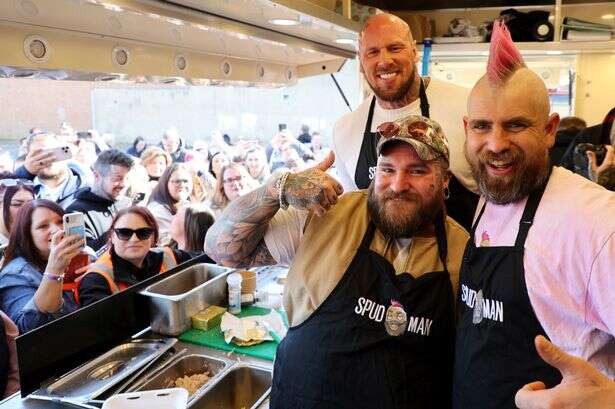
x=529, y=173
x=402, y=215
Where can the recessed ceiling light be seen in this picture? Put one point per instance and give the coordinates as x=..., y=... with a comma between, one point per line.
x=284, y=22
x=608, y=16
x=344, y=41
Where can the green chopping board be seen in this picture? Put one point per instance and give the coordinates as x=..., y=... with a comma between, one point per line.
x=214, y=338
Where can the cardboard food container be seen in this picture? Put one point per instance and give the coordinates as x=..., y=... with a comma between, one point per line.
x=173, y=398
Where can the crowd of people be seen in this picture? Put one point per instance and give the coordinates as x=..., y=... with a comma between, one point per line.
x=144, y=210
x=385, y=278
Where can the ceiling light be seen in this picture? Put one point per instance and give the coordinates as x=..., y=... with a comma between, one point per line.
x=344, y=41
x=556, y=52
x=112, y=7
x=284, y=22
x=608, y=16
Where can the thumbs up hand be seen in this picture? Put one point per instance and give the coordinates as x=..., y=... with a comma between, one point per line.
x=582, y=385
x=313, y=189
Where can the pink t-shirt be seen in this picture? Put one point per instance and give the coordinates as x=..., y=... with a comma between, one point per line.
x=569, y=263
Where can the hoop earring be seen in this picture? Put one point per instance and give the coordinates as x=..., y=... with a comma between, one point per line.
x=447, y=193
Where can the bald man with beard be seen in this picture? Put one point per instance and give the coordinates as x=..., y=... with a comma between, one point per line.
x=387, y=57
x=542, y=250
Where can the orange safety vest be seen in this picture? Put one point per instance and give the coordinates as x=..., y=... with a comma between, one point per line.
x=104, y=267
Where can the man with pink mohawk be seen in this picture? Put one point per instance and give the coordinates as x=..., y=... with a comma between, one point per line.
x=547, y=267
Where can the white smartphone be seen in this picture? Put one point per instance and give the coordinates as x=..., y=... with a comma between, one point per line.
x=73, y=224
x=61, y=152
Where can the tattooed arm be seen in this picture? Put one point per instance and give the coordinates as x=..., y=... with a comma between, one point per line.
x=236, y=238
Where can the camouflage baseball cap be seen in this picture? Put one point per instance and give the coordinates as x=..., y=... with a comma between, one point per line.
x=423, y=134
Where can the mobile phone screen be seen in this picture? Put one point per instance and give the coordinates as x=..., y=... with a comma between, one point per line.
x=79, y=230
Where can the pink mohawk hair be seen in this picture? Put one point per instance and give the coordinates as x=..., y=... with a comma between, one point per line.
x=504, y=56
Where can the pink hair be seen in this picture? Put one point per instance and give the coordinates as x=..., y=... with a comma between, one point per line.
x=504, y=56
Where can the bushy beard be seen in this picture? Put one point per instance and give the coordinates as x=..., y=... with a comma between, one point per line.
x=396, y=225
x=530, y=174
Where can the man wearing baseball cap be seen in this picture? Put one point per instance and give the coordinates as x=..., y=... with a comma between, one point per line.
x=369, y=293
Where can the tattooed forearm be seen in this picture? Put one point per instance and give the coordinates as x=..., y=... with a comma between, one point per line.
x=303, y=190
x=236, y=238
x=259, y=257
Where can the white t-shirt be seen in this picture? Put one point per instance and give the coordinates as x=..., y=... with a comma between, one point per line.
x=447, y=106
x=569, y=263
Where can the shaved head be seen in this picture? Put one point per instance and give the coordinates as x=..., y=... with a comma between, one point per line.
x=508, y=135
x=523, y=86
x=377, y=21
x=387, y=57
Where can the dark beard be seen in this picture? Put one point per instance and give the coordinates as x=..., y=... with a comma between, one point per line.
x=398, y=96
x=403, y=225
x=531, y=174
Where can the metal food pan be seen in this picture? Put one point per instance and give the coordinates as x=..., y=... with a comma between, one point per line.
x=93, y=378
x=243, y=386
x=185, y=366
x=174, y=300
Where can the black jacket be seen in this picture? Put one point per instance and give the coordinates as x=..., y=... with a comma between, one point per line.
x=98, y=213
x=94, y=287
x=563, y=139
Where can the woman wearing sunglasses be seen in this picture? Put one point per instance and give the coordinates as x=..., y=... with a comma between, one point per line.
x=14, y=193
x=131, y=258
x=31, y=279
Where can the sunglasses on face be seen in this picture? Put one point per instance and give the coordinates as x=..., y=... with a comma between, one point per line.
x=125, y=234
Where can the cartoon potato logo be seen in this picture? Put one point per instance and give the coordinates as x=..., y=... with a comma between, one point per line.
x=396, y=319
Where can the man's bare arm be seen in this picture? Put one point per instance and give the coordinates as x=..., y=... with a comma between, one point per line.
x=236, y=238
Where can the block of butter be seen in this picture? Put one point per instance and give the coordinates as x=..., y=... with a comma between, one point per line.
x=208, y=318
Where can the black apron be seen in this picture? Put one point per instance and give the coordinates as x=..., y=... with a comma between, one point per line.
x=361, y=349
x=495, y=353
x=461, y=204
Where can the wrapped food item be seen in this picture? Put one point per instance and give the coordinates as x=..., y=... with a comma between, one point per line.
x=252, y=330
x=209, y=318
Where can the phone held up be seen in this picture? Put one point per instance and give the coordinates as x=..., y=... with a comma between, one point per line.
x=74, y=224
x=61, y=153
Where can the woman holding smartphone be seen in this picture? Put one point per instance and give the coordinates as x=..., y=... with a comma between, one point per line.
x=31, y=279
x=131, y=258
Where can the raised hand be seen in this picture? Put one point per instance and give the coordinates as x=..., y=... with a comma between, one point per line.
x=596, y=171
x=313, y=189
x=62, y=251
x=582, y=386
x=38, y=160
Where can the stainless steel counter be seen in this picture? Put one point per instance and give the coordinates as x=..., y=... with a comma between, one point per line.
x=15, y=401
x=270, y=279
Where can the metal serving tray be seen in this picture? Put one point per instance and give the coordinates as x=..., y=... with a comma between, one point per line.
x=174, y=300
x=93, y=378
x=187, y=365
x=243, y=386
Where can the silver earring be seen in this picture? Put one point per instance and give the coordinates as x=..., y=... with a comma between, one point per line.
x=447, y=193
